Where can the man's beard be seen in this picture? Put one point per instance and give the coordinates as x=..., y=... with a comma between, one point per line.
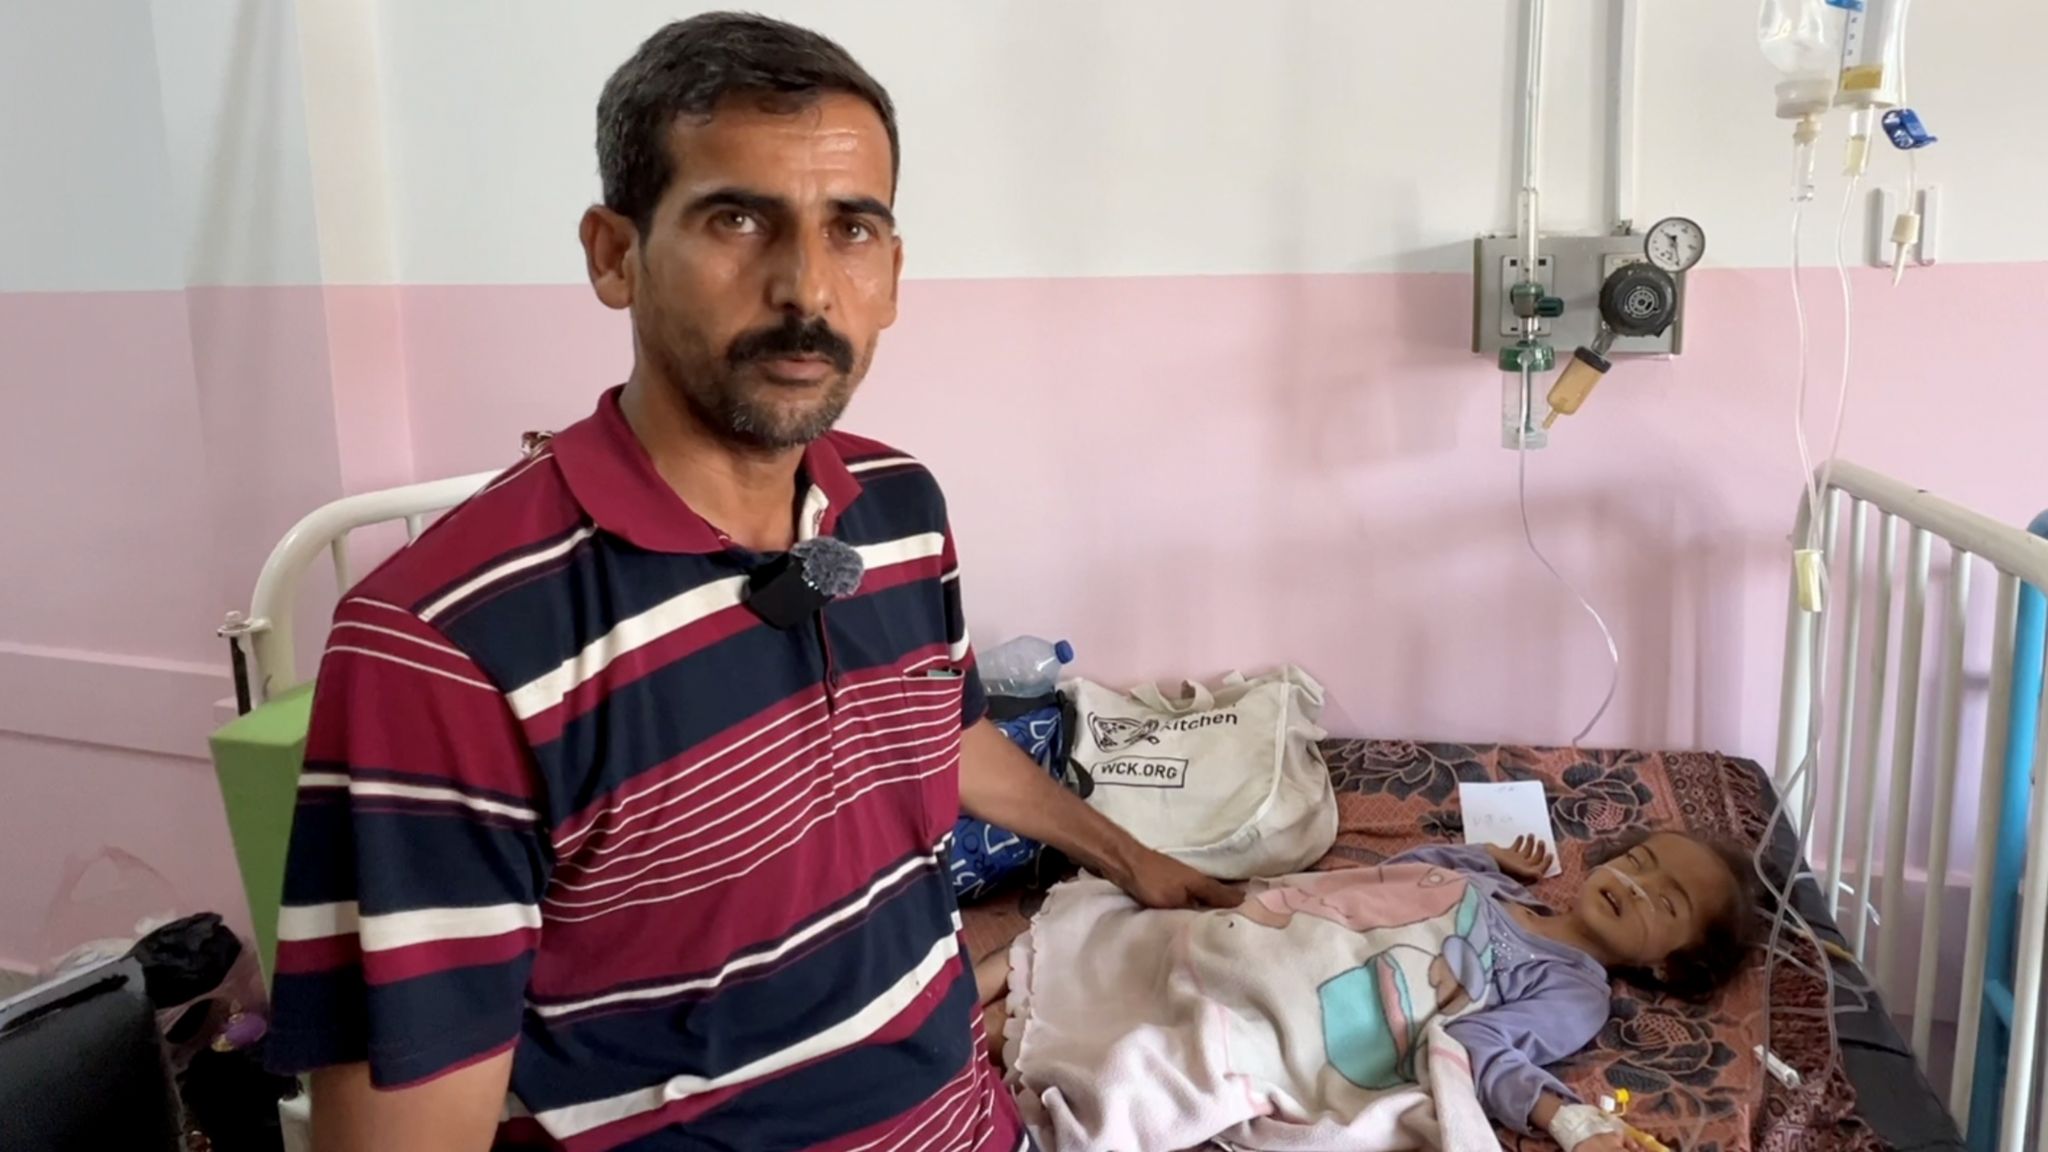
x=743, y=405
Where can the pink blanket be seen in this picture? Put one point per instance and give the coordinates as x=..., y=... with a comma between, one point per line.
x=1310, y=1019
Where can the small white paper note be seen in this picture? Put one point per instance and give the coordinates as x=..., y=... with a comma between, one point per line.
x=1498, y=813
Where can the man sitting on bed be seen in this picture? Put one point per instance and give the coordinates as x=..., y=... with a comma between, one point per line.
x=586, y=851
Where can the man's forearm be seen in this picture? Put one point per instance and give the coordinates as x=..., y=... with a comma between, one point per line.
x=451, y=1113
x=1000, y=784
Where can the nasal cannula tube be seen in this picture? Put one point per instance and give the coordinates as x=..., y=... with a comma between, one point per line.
x=1625, y=878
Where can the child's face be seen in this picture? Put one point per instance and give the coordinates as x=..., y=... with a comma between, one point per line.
x=1679, y=886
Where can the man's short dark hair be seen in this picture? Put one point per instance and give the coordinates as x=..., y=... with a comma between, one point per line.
x=687, y=68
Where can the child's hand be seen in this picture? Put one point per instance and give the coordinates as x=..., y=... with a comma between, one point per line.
x=1582, y=1128
x=1527, y=859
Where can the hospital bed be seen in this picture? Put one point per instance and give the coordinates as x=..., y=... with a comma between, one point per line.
x=1691, y=1073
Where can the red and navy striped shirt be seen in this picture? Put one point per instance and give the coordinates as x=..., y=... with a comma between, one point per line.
x=566, y=796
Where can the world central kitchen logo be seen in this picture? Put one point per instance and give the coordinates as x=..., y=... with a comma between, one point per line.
x=1115, y=733
x=1143, y=772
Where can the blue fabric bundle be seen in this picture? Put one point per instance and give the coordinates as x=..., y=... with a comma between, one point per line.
x=983, y=856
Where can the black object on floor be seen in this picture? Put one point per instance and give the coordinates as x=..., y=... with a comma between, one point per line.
x=82, y=1068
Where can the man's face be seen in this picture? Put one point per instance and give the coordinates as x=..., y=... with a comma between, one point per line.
x=770, y=267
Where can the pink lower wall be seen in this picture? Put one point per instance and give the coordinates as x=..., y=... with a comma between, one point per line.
x=155, y=446
x=69, y=800
x=1185, y=475
x=1182, y=475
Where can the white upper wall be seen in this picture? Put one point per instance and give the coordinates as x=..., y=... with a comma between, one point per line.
x=234, y=121
x=152, y=144
x=1148, y=137
x=156, y=143
x=84, y=180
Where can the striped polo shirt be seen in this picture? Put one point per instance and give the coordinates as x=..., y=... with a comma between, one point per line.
x=566, y=796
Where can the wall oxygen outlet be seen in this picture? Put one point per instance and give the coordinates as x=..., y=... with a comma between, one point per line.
x=1884, y=206
x=1570, y=267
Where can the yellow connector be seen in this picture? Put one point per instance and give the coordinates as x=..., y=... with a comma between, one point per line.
x=1617, y=1107
x=1807, y=569
x=1644, y=1140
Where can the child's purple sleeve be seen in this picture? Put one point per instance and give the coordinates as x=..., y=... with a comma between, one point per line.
x=1561, y=1013
x=1457, y=857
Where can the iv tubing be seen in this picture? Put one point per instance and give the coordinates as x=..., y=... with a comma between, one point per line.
x=1815, y=533
x=1817, y=475
x=1912, y=154
x=1848, y=317
x=1529, y=535
x=1912, y=205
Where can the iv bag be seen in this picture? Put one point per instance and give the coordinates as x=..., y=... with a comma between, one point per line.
x=1798, y=37
x=1802, y=39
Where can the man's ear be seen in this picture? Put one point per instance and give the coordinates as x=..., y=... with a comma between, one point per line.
x=609, y=243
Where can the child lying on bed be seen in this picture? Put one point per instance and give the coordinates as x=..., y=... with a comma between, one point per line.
x=1267, y=1039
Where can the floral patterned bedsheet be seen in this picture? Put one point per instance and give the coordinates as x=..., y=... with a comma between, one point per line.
x=1689, y=1069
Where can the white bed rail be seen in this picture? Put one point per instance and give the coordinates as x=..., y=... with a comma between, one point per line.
x=262, y=640
x=1856, y=688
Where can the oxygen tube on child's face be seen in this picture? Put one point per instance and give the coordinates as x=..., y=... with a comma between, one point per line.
x=1628, y=880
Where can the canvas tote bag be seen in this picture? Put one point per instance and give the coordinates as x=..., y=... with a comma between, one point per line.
x=1229, y=781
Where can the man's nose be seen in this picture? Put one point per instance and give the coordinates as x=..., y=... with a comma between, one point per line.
x=801, y=279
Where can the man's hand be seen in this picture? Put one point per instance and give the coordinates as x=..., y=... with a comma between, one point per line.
x=1000, y=784
x=1527, y=860
x=1159, y=881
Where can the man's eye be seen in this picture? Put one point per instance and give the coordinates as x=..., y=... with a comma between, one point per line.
x=856, y=231
x=735, y=221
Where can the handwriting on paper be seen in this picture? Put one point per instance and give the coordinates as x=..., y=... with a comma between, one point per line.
x=1499, y=813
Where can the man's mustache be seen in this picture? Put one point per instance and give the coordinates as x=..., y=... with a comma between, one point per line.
x=793, y=337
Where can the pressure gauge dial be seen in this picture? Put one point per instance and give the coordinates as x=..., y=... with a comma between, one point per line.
x=1675, y=244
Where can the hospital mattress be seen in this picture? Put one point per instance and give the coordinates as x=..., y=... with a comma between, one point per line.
x=1689, y=1070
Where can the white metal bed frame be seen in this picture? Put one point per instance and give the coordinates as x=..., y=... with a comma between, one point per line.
x=265, y=658
x=263, y=641
x=1854, y=701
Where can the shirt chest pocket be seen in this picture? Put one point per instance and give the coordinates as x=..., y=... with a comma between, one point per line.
x=898, y=739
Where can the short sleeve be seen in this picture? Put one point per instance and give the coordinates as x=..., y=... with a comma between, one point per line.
x=973, y=697
x=417, y=861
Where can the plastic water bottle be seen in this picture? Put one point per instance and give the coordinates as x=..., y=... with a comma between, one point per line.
x=1024, y=667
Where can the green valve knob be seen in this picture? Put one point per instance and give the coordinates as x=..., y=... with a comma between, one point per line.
x=1536, y=357
x=1550, y=306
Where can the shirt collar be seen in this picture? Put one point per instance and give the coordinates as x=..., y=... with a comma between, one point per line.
x=611, y=476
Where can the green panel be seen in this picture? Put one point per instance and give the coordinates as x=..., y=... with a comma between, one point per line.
x=257, y=758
